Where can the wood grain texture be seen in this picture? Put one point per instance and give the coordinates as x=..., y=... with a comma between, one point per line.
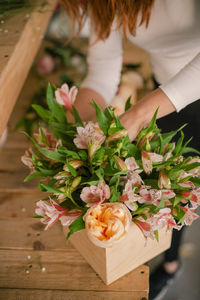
x=22, y=41
x=64, y=270
x=32, y=294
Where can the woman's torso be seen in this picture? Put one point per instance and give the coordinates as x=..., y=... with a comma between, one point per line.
x=172, y=37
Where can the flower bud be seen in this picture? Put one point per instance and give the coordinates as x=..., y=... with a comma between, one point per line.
x=117, y=135
x=74, y=163
x=120, y=163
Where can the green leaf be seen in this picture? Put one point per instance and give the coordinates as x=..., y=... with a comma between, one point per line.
x=115, y=195
x=33, y=175
x=152, y=124
x=42, y=112
x=71, y=169
x=156, y=233
x=83, y=155
x=101, y=118
x=162, y=203
x=109, y=113
x=174, y=173
x=167, y=137
x=47, y=188
x=133, y=151
x=191, y=166
x=47, y=172
x=77, y=117
x=195, y=180
x=190, y=149
x=100, y=173
x=68, y=153
x=161, y=144
x=57, y=110
x=128, y=103
x=177, y=200
x=77, y=225
x=179, y=144
x=47, y=153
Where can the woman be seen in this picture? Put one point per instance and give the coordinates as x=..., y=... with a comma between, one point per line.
x=169, y=31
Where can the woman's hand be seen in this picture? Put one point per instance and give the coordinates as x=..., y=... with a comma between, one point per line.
x=139, y=115
x=82, y=104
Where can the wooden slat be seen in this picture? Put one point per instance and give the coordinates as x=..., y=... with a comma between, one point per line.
x=13, y=171
x=32, y=294
x=63, y=271
x=17, y=59
x=28, y=233
x=19, y=204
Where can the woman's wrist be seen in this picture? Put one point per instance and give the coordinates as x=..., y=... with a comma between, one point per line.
x=142, y=112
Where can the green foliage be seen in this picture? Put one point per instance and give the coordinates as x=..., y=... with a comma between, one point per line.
x=128, y=104
x=77, y=225
x=109, y=163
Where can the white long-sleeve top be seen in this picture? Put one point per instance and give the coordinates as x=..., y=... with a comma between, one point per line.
x=172, y=40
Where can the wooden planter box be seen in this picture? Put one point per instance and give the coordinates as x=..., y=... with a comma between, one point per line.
x=133, y=251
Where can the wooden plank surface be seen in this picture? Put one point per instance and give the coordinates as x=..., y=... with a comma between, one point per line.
x=32, y=294
x=20, y=38
x=64, y=270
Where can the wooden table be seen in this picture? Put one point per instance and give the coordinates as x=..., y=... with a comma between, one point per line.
x=20, y=38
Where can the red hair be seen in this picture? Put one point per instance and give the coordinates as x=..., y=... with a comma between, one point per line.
x=103, y=12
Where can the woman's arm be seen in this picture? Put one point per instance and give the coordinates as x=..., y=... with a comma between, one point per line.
x=139, y=115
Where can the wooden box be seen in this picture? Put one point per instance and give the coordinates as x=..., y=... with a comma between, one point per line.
x=133, y=251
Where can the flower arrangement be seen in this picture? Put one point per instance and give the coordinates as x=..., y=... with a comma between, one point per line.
x=99, y=180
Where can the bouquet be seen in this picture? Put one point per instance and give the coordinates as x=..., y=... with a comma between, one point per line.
x=98, y=179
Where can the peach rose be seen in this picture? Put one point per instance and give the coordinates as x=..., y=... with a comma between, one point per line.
x=107, y=223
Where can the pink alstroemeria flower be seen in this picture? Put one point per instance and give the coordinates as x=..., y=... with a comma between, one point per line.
x=66, y=96
x=190, y=216
x=167, y=151
x=27, y=160
x=195, y=171
x=94, y=195
x=129, y=197
x=154, y=196
x=53, y=212
x=135, y=179
x=132, y=165
x=193, y=196
x=163, y=180
x=158, y=221
x=148, y=158
x=145, y=227
x=49, y=141
x=89, y=137
x=163, y=219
